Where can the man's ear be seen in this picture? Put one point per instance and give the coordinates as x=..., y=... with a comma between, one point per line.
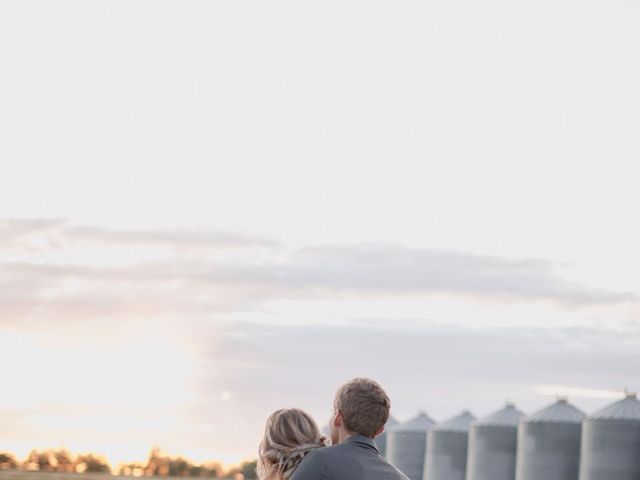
x=338, y=421
x=379, y=432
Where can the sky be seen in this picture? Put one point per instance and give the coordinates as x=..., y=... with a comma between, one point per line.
x=212, y=210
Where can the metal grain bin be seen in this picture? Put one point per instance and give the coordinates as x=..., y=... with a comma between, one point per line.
x=381, y=440
x=549, y=443
x=492, y=446
x=406, y=445
x=610, y=447
x=446, y=457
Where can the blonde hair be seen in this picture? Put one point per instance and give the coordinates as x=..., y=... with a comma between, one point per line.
x=289, y=435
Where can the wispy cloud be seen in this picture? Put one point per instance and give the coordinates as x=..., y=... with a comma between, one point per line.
x=572, y=391
x=387, y=269
x=58, y=233
x=57, y=282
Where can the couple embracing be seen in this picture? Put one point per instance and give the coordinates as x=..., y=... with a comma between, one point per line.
x=293, y=448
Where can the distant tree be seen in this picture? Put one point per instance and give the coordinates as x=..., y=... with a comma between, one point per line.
x=212, y=470
x=246, y=470
x=43, y=461
x=160, y=464
x=64, y=461
x=196, y=471
x=157, y=463
x=179, y=467
x=7, y=461
x=92, y=463
x=135, y=469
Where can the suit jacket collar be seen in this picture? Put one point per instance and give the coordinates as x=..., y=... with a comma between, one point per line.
x=362, y=440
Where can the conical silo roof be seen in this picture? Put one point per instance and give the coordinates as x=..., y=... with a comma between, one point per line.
x=626, y=409
x=509, y=416
x=459, y=423
x=420, y=423
x=560, y=412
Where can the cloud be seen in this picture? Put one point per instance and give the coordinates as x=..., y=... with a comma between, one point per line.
x=57, y=233
x=17, y=232
x=57, y=275
x=182, y=239
x=441, y=369
x=387, y=269
x=423, y=357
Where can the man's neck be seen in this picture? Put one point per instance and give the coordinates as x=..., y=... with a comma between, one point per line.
x=343, y=436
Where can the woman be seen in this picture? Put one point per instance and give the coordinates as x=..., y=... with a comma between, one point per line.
x=288, y=436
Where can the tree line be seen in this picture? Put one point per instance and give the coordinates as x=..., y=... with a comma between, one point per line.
x=157, y=464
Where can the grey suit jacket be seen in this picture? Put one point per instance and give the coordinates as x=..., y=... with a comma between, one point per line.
x=357, y=458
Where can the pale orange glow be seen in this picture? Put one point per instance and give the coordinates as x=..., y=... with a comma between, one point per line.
x=116, y=396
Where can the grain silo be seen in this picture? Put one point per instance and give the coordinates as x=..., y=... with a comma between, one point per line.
x=549, y=443
x=611, y=442
x=492, y=445
x=406, y=445
x=381, y=441
x=446, y=457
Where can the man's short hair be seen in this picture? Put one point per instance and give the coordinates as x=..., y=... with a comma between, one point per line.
x=364, y=406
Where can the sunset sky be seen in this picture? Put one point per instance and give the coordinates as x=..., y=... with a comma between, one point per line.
x=211, y=210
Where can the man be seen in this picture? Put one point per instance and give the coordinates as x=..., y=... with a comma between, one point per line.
x=360, y=411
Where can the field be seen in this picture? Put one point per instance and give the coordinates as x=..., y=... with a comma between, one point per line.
x=24, y=475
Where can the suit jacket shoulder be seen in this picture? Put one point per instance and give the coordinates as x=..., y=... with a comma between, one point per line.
x=312, y=467
x=355, y=459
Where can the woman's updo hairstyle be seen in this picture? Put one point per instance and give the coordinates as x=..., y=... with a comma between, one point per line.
x=289, y=435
